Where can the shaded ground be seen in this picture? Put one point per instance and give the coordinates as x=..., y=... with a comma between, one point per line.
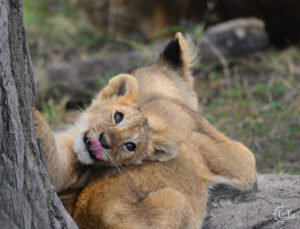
x=252, y=99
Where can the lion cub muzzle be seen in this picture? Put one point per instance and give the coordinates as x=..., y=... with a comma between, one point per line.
x=97, y=144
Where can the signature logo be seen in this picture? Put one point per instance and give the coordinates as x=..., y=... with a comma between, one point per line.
x=281, y=214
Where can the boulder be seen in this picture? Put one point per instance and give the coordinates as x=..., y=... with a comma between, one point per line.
x=233, y=38
x=273, y=203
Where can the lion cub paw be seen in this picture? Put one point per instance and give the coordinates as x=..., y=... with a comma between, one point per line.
x=40, y=125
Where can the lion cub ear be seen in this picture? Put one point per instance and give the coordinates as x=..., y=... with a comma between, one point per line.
x=179, y=53
x=122, y=87
x=163, y=149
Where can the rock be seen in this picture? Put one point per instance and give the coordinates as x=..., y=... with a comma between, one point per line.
x=233, y=38
x=262, y=208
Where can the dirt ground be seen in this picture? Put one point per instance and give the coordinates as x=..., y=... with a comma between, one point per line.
x=254, y=99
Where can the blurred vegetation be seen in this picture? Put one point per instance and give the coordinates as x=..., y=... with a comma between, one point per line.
x=60, y=27
x=258, y=103
x=53, y=21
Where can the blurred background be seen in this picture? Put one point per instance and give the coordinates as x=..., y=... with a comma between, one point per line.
x=247, y=72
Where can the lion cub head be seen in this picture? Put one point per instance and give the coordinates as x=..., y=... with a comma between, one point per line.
x=114, y=131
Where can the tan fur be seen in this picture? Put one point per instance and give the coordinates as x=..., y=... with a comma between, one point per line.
x=67, y=169
x=173, y=193
x=62, y=164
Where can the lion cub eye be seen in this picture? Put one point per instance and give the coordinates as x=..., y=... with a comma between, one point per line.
x=118, y=117
x=130, y=146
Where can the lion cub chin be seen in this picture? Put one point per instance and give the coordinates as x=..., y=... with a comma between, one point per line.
x=152, y=115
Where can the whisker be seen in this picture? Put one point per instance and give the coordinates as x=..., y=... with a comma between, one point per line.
x=114, y=163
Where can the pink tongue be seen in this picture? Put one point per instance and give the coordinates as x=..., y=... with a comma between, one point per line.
x=96, y=148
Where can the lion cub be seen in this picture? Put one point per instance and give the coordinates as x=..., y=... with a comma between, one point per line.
x=111, y=132
x=188, y=153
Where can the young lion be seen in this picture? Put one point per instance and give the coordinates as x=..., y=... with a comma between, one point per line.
x=165, y=193
x=111, y=132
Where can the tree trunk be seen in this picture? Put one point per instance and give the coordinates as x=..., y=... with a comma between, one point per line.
x=27, y=198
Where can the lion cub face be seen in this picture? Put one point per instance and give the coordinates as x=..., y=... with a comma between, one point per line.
x=114, y=131
x=116, y=134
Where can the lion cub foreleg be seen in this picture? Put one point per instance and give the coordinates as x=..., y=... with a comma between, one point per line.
x=62, y=165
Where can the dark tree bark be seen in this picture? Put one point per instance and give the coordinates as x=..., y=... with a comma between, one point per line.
x=282, y=17
x=27, y=198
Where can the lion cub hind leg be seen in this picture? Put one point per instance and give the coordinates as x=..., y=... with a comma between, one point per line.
x=234, y=165
x=165, y=208
x=230, y=162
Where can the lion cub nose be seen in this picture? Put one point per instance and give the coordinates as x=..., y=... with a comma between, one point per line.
x=103, y=140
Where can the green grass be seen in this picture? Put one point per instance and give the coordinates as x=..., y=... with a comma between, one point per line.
x=53, y=20
x=54, y=111
x=263, y=113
